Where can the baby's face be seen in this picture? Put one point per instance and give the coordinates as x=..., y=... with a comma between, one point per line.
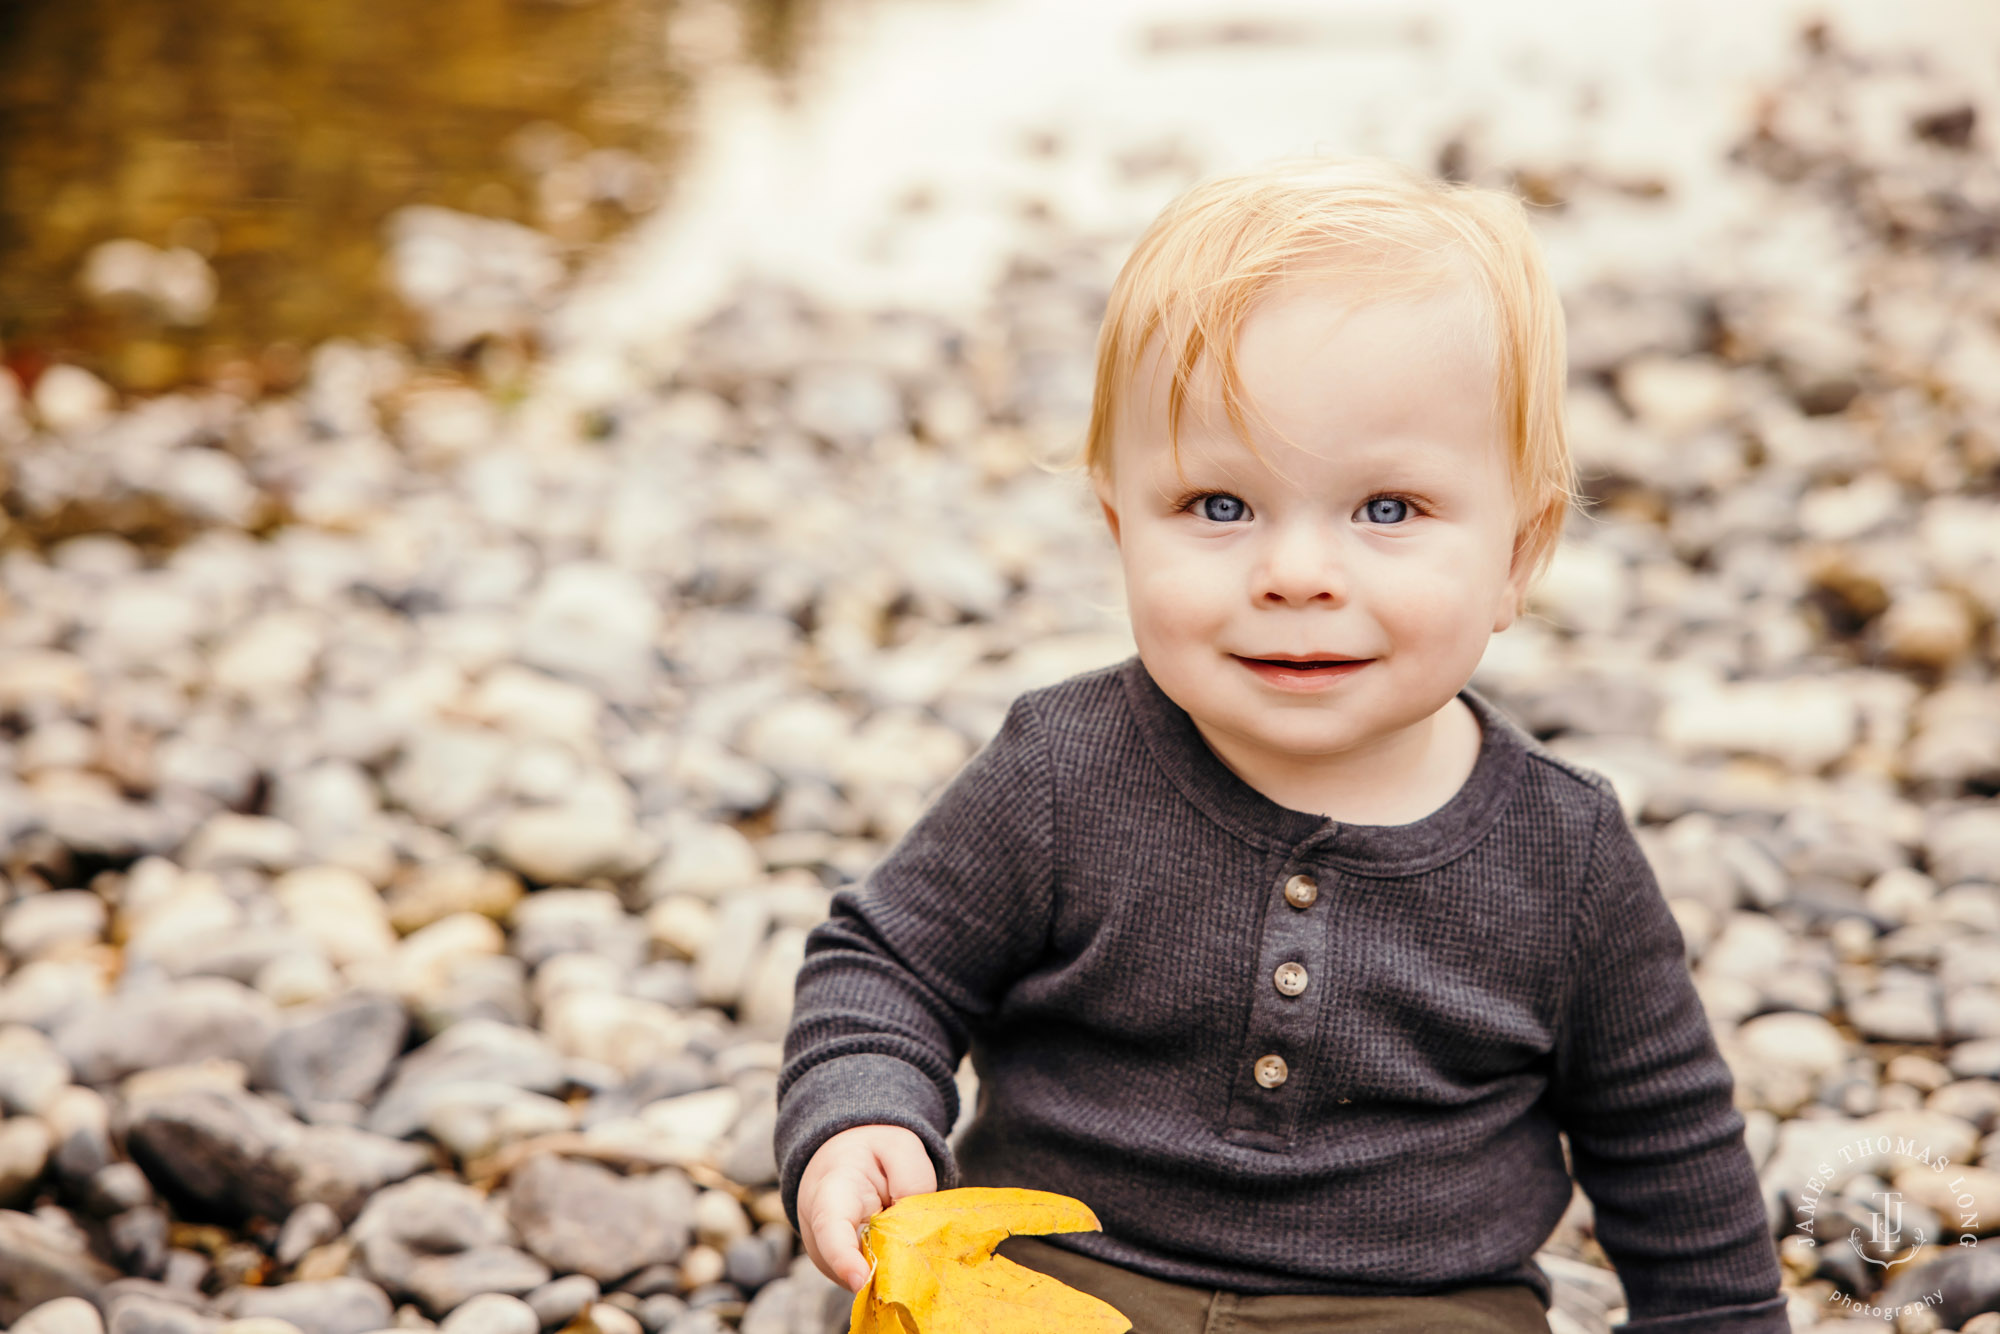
x=1385, y=547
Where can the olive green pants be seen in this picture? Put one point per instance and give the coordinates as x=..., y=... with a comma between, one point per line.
x=1157, y=1307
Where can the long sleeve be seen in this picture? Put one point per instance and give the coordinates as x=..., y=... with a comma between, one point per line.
x=1646, y=1100
x=915, y=954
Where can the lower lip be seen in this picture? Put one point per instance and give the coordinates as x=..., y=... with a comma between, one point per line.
x=1302, y=678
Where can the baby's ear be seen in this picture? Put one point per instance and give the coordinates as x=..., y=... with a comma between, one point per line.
x=1514, y=593
x=1101, y=484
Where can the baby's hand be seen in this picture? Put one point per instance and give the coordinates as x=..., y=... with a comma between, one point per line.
x=854, y=1176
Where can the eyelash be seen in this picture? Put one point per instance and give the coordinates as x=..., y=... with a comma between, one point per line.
x=1417, y=507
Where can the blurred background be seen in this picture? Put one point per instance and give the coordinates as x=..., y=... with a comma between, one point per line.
x=506, y=505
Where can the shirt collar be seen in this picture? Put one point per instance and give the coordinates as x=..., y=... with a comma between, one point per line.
x=1177, y=746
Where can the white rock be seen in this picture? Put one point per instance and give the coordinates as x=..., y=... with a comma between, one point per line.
x=144, y=619
x=695, y=1119
x=1794, y=1041
x=723, y=968
x=716, y=778
x=529, y=703
x=1750, y=946
x=59, y=743
x=1677, y=396
x=122, y=267
x=32, y=1071
x=330, y=802
x=1901, y=894
x=608, y=1319
x=576, y=971
x=719, y=1219
x=447, y=772
x=847, y=404
x=298, y=978
x=542, y=772
x=1961, y=536
x=473, y=1118
x=211, y=484
x=43, y=990
x=424, y=960
x=1586, y=588
x=595, y=622
x=42, y=922
x=181, y=911
x=682, y=923
x=571, y=842
x=36, y=676
x=705, y=860
x=176, y=282
x=1929, y=628
x=766, y=1007
x=274, y=653
x=1838, y=513
x=1965, y=845
x=799, y=737
x=229, y=839
x=183, y=285
x=1803, y=723
x=339, y=910
x=622, y=1032
x=25, y=1144
x=470, y=276
x=70, y=399
x=64, y=1315
x=901, y=747
x=445, y=423
x=492, y=1313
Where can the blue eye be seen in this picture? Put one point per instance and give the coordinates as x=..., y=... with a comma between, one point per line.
x=1221, y=508
x=1386, y=509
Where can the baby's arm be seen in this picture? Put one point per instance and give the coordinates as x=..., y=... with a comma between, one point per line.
x=891, y=983
x=1655, y=1139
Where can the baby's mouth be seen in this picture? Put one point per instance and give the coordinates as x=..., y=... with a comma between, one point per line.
x=1313, y=664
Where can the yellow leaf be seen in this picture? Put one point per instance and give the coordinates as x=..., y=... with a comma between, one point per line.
x=935, y=1271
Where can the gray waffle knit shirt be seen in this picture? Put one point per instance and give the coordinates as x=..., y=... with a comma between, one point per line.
x=1095, y=908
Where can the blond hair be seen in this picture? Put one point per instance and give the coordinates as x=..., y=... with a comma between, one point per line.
x=1199, y=270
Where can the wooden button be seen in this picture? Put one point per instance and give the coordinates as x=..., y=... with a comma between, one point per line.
x=1290, y=978
x=1301, y=891
x=1271, y=1071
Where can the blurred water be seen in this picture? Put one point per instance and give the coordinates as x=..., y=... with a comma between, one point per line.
x=262, y=143
x=925, y=140
x=868, y=151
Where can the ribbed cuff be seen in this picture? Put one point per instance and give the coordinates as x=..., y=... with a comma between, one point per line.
x=865, y=1089
x=1765, y=1317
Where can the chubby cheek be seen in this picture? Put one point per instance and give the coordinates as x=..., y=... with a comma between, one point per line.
x=1173, y=598
x=1437, y=610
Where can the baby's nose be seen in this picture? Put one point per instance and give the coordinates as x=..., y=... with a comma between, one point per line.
x=1303, y=563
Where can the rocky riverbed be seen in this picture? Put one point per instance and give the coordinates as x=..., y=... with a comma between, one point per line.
x=417, y=789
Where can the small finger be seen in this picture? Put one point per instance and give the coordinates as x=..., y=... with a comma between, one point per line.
x=833, y=1231
x=909, y=1170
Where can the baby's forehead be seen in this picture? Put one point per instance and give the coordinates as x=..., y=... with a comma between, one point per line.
x=1445, y=323
x=1453, y=302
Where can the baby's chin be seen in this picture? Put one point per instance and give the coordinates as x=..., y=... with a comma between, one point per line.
x=1300, y=727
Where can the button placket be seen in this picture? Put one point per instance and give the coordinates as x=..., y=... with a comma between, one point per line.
x=1284, y=1011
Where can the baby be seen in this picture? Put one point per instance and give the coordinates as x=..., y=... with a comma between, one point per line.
x=1276, y=944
